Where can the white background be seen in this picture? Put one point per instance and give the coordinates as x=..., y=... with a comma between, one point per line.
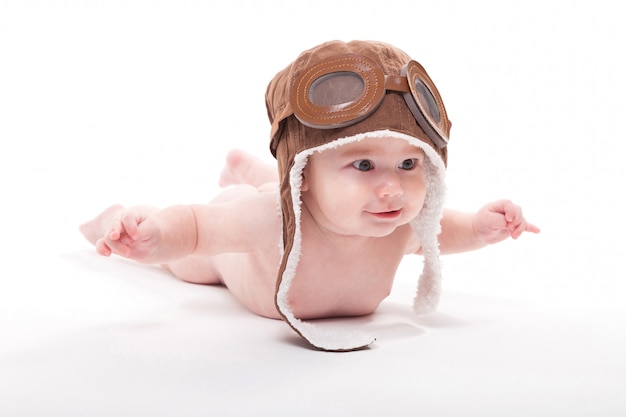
x=134, y=102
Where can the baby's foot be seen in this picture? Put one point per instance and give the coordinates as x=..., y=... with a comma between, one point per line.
x=230, y=174
x=96, y=228
x=243, y=168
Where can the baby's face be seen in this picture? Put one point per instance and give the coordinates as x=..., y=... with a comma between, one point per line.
x=365, y=188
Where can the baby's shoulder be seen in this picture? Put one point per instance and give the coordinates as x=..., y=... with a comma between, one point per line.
x=256, y=213
x=240, y=220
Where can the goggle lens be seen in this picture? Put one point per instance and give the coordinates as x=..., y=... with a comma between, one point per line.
x=426, y=101
x=339, y=88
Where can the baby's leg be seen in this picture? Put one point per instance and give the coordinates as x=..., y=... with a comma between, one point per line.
x=243, y=168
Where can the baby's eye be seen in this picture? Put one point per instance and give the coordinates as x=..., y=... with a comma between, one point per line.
x=363, y=165
x=408, y=164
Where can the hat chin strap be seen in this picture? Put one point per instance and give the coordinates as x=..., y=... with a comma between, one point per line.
x=426, y=226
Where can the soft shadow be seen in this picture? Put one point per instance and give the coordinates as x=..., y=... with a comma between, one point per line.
x=440, y=320
x=385, y=327
x=434, y=320
x=91, y=260
x=297, y=341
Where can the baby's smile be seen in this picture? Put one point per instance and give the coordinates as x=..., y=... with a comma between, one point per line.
x=387, y=215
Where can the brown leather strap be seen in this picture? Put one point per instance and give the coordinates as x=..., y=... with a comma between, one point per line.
x=397, y=83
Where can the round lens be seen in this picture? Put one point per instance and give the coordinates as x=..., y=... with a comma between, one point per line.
x=337, y=92
x=428, y=101
x=336, y=88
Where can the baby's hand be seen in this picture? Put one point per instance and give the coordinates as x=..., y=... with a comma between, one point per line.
x=132, y=234
x=498, y=220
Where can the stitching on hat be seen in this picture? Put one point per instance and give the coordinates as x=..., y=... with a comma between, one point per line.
x=314, y=72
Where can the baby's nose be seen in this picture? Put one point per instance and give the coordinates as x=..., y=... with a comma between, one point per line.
x=389, y=186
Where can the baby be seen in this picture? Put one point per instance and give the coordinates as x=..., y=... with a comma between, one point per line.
x=360, y=134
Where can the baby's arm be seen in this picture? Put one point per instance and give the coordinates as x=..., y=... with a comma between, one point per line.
x=492, y=223
x=149, y=235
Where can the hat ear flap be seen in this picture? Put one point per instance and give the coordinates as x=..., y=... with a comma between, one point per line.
x=304, y=183
x=334, y=340
x=427, y=226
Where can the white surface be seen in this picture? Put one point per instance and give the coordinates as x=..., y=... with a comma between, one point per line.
x=139, y=101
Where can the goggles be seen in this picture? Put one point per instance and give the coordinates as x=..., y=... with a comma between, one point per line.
x=346, y=89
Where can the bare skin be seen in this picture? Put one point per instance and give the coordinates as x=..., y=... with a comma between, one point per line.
x=234, y=240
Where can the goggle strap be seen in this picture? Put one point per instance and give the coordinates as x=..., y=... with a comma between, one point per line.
x=398, y=83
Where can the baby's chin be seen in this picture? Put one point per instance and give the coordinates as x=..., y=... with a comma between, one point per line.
x=381, y=231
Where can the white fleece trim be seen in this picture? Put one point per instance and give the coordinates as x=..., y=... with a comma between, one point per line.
x=426, y=226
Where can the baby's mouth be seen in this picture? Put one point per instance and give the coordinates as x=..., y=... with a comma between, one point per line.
x=391, y=214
